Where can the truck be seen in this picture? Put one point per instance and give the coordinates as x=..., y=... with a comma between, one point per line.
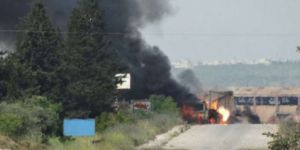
x=215, y=107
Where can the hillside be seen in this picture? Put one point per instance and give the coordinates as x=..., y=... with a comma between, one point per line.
x=242, y=74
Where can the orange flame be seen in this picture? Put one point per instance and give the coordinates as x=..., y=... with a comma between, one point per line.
x=225, y=114
x=213, y=105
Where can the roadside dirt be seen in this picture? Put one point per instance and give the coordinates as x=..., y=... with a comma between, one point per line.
x=162, y=139
x=9, y=144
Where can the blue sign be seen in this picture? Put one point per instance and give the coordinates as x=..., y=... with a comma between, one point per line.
x=79, y=127
x=289, y=100
x=243, y=100
x=265, y=101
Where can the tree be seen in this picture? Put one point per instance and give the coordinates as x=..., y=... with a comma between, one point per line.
x=160, y=103
x=3, y=76
x=38, y=50
x=90, y=65
x=286, y=138
x=16, y=80
x=30, y=116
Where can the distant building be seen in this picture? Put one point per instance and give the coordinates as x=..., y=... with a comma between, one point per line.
x=182, y=64
x=262, y=61
x=268, y=103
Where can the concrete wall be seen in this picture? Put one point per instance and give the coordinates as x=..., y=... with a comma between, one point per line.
x=266, y=112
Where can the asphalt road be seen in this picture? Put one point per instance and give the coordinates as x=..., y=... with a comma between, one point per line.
x=223, y=137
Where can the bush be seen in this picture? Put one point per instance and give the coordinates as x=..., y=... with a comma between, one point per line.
x=119, y=140
x=140, y=115
x=166, y=121
x=32, y=117
x=287, y=138
x=10, y=124
x=104, y=121
x=82, y=143
x=140, y=131
x=137, y=133
x=107, y=120
x=123, y=117
x=160, y=103
x=127, y=129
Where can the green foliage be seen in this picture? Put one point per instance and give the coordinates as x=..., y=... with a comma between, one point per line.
x=123, y=117
x=161, y=103
x=287, y=138
x=123, y=136
x=37, y=52
x=38, y=46
x=119, y=140
x=140, y=131
x=141, y=114
x=79, y=74
x=127, y=129
x=81, y=143
x=31, y=69
x=8, y=143
x=3, y=76
x=16, y=80
x=138, y=126
x=32, y=117
x=10, y=124
x=166, y=121
x=90, y=67
x=106, y=120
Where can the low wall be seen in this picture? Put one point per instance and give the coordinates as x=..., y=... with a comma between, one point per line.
x=266, y=112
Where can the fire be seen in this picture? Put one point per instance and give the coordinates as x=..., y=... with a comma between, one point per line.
x=213, y=112
x=225, y=113
x=214, y=105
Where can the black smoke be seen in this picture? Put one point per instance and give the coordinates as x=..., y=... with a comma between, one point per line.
x=188, y=79
x=123, y=19
x=11, y=12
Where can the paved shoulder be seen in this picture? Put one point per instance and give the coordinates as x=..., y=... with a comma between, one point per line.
x=225, y=137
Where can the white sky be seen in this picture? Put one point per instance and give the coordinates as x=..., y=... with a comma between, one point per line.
x=208, y=30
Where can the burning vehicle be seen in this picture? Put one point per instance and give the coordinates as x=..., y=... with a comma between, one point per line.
x=215, y=108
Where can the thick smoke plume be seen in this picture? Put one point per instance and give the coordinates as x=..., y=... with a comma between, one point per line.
x=188, y=79
x=10, y=13
x=149, y=67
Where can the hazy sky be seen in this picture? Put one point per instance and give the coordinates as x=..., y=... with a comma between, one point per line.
x=208, y=30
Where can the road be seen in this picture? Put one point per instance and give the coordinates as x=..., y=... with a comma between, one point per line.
x=223, y=137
